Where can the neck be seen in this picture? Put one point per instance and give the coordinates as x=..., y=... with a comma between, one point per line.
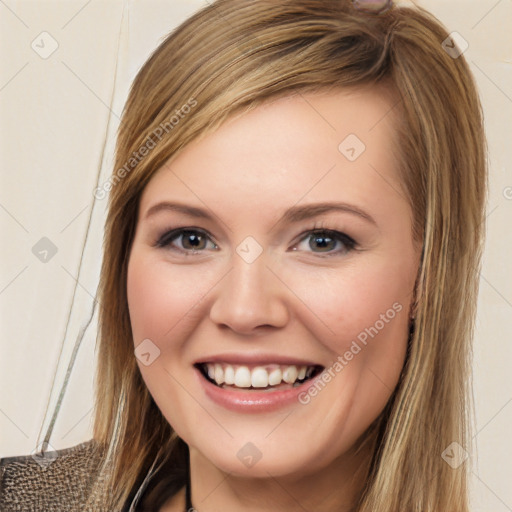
x=334, y=488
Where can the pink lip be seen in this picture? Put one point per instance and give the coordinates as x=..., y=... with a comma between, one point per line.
x=254, y=359
x=252, y=401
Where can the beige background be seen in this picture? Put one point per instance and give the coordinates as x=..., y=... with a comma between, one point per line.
x=58, y=116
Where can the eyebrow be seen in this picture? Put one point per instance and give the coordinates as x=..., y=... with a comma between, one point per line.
x=292, y=215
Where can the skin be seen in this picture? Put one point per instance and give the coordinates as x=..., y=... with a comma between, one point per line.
x=300, y=303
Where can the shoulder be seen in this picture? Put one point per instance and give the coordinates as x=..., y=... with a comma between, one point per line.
x=56, y=481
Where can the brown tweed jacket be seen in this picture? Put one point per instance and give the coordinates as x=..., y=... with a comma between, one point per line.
x=59, y=482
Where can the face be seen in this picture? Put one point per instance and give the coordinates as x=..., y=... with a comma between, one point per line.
x=275, y=248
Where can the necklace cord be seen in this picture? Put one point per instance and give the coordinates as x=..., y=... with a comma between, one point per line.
x=188, y=499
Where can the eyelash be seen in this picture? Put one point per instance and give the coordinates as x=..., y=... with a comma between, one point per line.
x=350, y=244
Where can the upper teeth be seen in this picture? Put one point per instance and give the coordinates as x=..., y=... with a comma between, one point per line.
x=257, y=377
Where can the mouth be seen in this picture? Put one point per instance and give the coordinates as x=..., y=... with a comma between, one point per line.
x=268, y=377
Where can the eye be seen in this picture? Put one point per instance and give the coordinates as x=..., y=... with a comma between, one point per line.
x=192, y=240
x=326, y=240
x=196, y=240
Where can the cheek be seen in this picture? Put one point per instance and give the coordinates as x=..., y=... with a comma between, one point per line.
x=361, y=314
x=161, y=301
x=366, y=311
x=147, y=299
x=160, y=297
x=348, y=301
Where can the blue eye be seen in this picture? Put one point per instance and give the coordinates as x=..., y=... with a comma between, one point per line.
x=194, y=241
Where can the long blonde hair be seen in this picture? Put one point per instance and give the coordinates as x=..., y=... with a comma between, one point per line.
x=230, y=57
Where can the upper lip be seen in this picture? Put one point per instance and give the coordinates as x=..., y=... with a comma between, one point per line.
x=255, y=359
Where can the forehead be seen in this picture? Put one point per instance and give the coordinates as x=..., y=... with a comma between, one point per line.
x=327, y=144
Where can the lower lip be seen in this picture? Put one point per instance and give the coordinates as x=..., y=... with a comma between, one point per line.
x=253, y=401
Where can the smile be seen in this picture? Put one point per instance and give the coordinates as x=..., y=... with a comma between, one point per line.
x=271, y=377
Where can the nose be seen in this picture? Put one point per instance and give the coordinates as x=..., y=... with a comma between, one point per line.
x=250, y=298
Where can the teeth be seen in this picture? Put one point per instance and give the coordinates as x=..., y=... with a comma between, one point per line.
x=218, y=374
x=290, y=374
x=257, y=377
x=229, y=375
x=275, y=377
x=242, y=377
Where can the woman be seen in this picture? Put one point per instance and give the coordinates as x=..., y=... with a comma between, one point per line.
x=290, y=266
